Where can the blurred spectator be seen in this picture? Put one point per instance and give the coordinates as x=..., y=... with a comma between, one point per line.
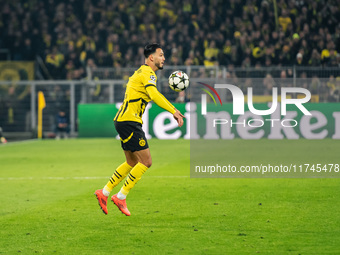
x=315, y=59
x=28, y=53
x=62, y=126
x=217, y=32
x=338, y=60
x=284, y=20
x=299, y=59
x=182, y=98
x=268, y=83
x=54, y=63
x=211, y=54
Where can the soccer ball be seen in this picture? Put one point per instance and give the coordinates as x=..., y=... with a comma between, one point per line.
x=178, y=81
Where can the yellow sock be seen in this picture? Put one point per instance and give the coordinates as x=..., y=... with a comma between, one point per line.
x=118, y=176
x=134, y=176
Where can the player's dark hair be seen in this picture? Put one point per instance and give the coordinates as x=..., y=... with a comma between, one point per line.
x=150, y=49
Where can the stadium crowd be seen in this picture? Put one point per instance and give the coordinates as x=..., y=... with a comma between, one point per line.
x=70, y=35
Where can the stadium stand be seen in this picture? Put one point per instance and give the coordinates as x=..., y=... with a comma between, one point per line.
x=237, y=33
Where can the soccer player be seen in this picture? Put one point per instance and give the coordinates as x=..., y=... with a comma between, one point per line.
x=140, y=90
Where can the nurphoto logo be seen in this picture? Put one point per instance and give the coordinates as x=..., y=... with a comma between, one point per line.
x=238, y=104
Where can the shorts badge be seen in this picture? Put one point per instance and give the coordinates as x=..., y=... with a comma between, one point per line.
x=141, y=142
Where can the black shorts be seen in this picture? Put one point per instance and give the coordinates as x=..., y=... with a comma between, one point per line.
x=132, y=136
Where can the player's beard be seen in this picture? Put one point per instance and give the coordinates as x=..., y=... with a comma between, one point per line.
x=159, y=65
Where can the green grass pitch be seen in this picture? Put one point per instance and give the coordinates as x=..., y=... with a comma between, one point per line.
x=48, y=206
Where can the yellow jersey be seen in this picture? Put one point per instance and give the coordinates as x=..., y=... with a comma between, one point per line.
x=137, y=96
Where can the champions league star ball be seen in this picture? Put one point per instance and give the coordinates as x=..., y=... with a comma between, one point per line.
x=178, y=81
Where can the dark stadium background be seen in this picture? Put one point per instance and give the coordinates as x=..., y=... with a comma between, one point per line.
x=84, y=51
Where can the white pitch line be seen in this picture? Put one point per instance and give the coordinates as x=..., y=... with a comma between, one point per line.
x=169, y=176
x=75, y=178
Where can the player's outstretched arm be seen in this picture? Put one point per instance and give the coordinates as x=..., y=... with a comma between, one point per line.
x=162, y=102
x=159, y=99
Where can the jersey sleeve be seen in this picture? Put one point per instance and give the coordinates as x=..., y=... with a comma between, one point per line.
x=148, y=79
x=159, y=99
